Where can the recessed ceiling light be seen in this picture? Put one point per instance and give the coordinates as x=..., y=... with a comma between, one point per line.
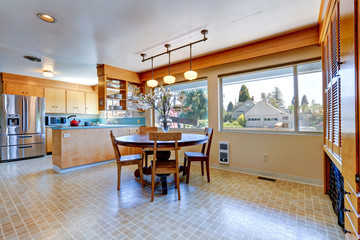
x=48, y=73
x=33, y=58
x=46, y=17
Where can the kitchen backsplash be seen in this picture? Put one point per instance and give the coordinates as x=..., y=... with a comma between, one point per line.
x=94, y=118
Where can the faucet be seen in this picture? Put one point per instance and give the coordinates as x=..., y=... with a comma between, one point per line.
x=71, y=116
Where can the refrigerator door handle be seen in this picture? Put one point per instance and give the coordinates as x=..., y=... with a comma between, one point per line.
x=27, y=113
x=23, y=115
x=25, y=137
x=23, y=147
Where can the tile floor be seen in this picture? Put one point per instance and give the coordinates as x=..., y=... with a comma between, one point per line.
x=38, y=203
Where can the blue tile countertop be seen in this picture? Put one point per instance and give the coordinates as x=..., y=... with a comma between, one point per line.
x=97, y=126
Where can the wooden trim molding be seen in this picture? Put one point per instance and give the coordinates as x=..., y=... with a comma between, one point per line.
x=9, y=77
x=335, y=159
x=325, y=17
x=301, y=38
x=117, y=73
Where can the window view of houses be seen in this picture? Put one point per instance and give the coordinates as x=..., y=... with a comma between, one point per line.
x=196, y=96
x=267, y=100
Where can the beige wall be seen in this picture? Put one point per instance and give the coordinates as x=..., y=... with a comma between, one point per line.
x=293, y=157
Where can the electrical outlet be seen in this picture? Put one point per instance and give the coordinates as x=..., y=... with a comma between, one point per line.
x=266, y=158
x=66, y=135
x=138, y=121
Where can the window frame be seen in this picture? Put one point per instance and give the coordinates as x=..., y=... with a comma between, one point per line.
x=296, y=130
x=185, y=129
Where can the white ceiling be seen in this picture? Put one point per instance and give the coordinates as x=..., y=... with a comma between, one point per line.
x=114, y=32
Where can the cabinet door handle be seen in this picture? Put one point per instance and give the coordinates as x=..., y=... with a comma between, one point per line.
x=346, y=231
x=346, y=192
x=347, y=210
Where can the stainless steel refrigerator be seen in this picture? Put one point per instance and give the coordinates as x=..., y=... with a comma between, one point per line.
x=22, y=127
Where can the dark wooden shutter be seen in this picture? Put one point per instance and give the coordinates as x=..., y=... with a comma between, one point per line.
x=332, y=60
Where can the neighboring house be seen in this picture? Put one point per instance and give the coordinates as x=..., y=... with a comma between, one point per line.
x=264, y=115
x=242, y=108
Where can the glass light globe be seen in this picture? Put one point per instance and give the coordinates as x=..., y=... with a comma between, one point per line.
x=169, y=79
x=152, y=83
x=190, y=75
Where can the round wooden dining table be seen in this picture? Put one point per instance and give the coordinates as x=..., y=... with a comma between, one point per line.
x=142, y=141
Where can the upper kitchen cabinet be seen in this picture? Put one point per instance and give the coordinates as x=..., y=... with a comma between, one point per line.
x=23, y=89
x=91, y=102
x=75, y=102
x=55, y=100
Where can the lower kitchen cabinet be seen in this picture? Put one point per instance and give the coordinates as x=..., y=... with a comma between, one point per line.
x=48, y=140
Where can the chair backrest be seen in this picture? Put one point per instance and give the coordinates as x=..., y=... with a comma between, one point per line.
x=145, y=130
x=209, y=133
x=115, y=146
x=159, y=136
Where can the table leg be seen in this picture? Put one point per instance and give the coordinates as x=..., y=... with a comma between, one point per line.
x=161, y=156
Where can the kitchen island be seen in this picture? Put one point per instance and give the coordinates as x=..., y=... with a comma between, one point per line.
x=83, y=146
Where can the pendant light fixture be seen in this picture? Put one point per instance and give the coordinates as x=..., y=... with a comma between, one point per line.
x=190, y=75
x=169, y=79
x=152, y=82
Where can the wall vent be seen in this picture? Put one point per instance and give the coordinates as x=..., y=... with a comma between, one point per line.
x=267, y=179
x=224, y=152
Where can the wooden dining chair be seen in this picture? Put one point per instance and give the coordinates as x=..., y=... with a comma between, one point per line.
x=147, y=152
x=199, y=156
x=125, y=161
x=165, y=167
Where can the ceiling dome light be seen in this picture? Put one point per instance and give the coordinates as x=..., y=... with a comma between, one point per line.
x=48, y=73
x=190, y=75
x=46, y=17
x=169, y=79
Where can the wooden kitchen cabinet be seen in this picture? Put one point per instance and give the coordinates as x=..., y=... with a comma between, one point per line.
x=75, y=102
x=23, y=89
x=48, y=138
x=55, y=100
x=91, y=103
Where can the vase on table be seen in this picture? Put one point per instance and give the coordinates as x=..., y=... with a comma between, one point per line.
x=165, y=124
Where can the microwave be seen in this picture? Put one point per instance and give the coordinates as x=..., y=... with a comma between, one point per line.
x=50, y=120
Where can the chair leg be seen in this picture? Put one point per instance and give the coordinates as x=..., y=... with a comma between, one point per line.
x=176, y=175
x=202, y=167
x=175, y=180
x=208, y=169
x=140, y=164
x=188, y=171
x=185, y=167
x=119, y=176
x=152, y=183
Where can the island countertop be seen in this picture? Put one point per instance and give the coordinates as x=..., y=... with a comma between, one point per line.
x=81, y=127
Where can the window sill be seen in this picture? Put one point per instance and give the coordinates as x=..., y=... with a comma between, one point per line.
x=186, y=129
x=273, y=132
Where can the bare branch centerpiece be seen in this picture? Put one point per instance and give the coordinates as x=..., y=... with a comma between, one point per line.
x=163, y=100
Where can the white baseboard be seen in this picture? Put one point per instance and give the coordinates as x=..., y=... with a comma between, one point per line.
x=304, y=180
